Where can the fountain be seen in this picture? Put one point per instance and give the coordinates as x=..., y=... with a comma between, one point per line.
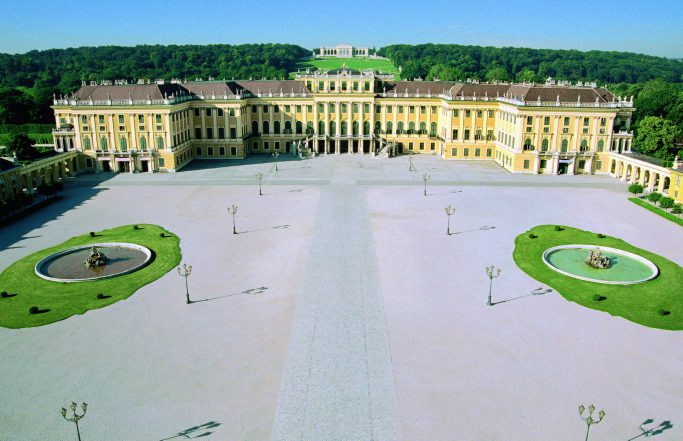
x=596, y=260
x=96, y=258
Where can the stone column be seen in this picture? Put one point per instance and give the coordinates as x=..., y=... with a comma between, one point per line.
x=327, y=125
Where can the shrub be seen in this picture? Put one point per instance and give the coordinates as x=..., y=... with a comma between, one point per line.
x=92, y=234
x=33, y=310
x=4, y=294
x=135, y=227
x=666, y=202
x=601, y=236
x=100, y=296
x=663, y=312
x=677, y=209
x=558, y=228
x=636, y=189
x=654, y=197
x=599, y=298
x=532, y=236
x=162, y=235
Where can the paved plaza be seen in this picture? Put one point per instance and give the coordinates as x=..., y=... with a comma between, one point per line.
x=341, y=311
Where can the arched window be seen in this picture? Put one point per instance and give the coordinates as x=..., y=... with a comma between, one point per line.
x=86, y=143
x=411, y=127
x=399, y=127
x=103, y=143
x=390, y=127
x=266, y=127
x=565, y=145
x=584, y=145
x=366, y=127
x=143, y=144
x=354, y=128
x=276, y=127
x=309, y=128
x=544, y=145
x=333, y=128
x=432, y=129
x=299, y=128
x=160, y=143
x=344, y=128
x=288, y=127
x=601, y=145
x=254, y=128
x=423, y=128
x=321, y=127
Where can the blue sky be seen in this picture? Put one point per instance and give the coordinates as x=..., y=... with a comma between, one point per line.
x=651, y=27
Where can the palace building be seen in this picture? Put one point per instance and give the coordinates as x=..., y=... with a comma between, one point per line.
x=551, y=128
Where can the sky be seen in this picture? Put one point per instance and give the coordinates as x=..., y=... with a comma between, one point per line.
x=651, y=27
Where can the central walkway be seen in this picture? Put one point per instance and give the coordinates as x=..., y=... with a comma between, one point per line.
x=338, y=382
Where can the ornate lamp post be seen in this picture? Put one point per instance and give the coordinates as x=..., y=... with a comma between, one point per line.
x=426, y=177
x=492, y=272
x=589, y=419
x=275, y=155
x=259, y=177
x=76, y=417
x=185, y=272
x=233, y=210
x=449, y=212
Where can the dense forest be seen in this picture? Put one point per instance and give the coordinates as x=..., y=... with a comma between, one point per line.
x=451, y=62
x=28, y=81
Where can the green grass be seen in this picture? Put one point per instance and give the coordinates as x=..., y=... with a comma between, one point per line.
x=386, y=66
x=66, y=299
x=659, y=211
x=640, y=303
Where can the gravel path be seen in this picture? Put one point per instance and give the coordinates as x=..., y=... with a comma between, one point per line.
x=338, y=382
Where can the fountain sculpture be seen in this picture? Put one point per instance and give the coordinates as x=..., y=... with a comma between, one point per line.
x=96, y=258
x=595, y=259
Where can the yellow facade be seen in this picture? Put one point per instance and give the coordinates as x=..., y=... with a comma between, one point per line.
x=163, y=126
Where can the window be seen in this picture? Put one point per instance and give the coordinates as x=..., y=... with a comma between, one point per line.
x=299, y=127
x=490, y=113
x=309, y=128
x=309, y=108
x=566, y=120
x=266, y=127
x=344, y=128
x=354, y=128
x=265, y=108
x=543, y=164
x=586, y=121
x=410, y=146
x=233, y=133
x=221, y=151
x=231, y=112
x=400, y=109
x=86, y=143
x=354, y=108
x=582, y=164
x=366, y=108
x=584, y=145
x=143, y=144
x=399, y=128
x=454, y=151
x=456, y=113
x=565, y=145
x=432, y=146
x=160, y=142
x=423, y=128
x=388, y=109
x=488, y=153
x=527, y=144
x=432, y=129
x=332, y=85
x=277, y=145
x=601, y=145
x=603, y=122
x=266, y=145
x=366, y=127
x=423, y=110
x=467, y=115
x=467, y=135
x=411, y=127
x=321, y=127
x=221, y=133
x=288, y=127
x=161, y=162
x=332, y=108
x=120, y=119
x=455, y=134
x=544, y=145
x=477, y=152
x=321, y=85
x=103, y=143
x=526, y=164
x=466, y=152
x=100, y=119
x=529, y=119
x=233, y=151
x=598, y=165
x=298, y=108
x=210, y=151
x=333, y=127
x=479, y=113
x=208, y=111
x=276, y=108
x=546, y=120
x=220, y=112
x=343, y=107
x=254, y=127
x=198, y=133
x=276, y=127
x=158, y=119
x=355, y=85
x=390, y=128
x=343, y=86
x=196, y=112
x=321, y=108
x=209, y=133
x=489, y=135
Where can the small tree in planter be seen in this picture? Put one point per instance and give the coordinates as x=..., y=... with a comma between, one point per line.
x=666, y=202
x=636, y=189
x=654, y=197
x=677, y=210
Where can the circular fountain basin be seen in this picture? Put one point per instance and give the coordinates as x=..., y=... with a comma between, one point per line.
x=626, y=268
x=69, y=265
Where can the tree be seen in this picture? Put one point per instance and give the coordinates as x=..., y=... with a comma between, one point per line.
x=21, y=146
x=656, y=137
x=656, y=99
x=636, y=189
x=677, y=209
x=666, y=202
x=525, y=75
x=654, y=197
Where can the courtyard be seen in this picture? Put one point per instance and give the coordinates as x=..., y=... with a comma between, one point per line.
x=341, y=310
